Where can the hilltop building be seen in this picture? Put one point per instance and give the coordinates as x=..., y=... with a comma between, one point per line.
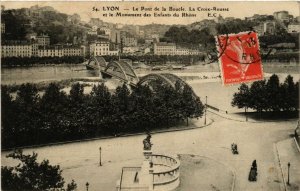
x=283, y=16
x=265, y=28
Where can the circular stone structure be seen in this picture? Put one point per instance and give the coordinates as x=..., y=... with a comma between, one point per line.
x=157, y=173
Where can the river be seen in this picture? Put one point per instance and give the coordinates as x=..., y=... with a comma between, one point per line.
x=35, y=74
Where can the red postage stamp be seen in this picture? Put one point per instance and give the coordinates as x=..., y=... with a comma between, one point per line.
x=239, y=58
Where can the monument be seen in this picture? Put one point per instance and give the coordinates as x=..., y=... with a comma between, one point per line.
x=157, y=172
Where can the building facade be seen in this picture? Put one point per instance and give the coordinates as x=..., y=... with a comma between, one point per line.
x=43, y=40
x=128, y=39
x=16, y=50
x=282, y=16
x=102, y=48
x=73, y=51
x=164, y=48
x=99, y=48
x=50, y=52
x=266, y=28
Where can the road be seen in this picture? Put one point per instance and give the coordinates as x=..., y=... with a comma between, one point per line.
x=80, y=161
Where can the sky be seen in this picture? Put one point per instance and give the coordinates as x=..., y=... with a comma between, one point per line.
x=236, y=9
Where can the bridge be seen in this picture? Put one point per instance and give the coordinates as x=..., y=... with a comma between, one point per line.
x=123, y=71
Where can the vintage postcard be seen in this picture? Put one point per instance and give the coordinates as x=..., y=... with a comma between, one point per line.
x=150, y=96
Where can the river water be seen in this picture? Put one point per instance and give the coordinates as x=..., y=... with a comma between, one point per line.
x=35, y=74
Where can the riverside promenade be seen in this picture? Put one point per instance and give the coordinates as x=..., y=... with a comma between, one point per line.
x=80, y=160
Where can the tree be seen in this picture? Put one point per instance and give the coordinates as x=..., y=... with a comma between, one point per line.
x=53, y=108
x=273, y=93
x=290, y=94
x=76, y=93
x=76, y=116
x=191, y=106
x=242, y=98
x=259, y=100
x=99, y=108
x=8, y=118
x=28, y=116
x=30, y=175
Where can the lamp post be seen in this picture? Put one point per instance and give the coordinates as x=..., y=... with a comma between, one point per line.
x=205, y=110
x=288, y=182
x=87, y=186
x=100, y=164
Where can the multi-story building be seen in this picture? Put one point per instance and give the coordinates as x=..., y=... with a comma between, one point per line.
x=60, y=51
x=16, y=50
x=282, y=16
x=269, y=28
x=99, y=48
x=35, y=50
x=163, y=48
x=294, y=28
x=186, y=51
x=43, y=40
x=28, y=49
x=128, y=39
x=266, y=28
x=106, y=31
x=73, y=51
x=182, y=51
x=50, y=52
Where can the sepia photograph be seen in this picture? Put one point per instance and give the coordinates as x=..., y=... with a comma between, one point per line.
x=150, y=96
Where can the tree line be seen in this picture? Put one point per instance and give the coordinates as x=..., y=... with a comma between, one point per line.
x=18, y=24
x=205, y=36
x=29, y=61
x=31, y=119
x=190, y=39
x=268, y=95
